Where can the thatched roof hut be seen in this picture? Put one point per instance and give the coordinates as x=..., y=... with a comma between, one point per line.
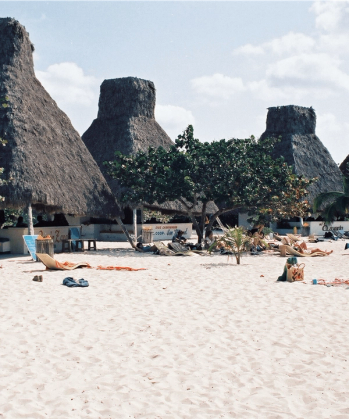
x=344, y=166
x=301, y=148
x=46, y=163
x=126, y=123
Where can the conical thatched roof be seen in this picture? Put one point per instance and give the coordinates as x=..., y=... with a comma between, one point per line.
x=126, y=123
x=302, y=148
x=344, y=166
x=126, y=120
x=46, y=162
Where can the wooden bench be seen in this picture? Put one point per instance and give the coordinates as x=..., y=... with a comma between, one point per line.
x=67, y=245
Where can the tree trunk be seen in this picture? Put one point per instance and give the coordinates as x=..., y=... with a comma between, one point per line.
x=238, y=257
x=135, y=224
x=30, y=220
x=121, y=224
x=203, y=219
x=214, y=216
x=217, y=214
x=196, y=226
x=193, y=219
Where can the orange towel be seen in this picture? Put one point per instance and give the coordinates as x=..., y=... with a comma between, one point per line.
x=70, y=264
x=337, y=281
x=119, y=268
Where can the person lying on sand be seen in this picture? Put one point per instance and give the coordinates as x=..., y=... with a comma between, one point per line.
x=146, y=249
x=302, y=248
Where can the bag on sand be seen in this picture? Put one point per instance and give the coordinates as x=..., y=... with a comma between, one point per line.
x=295, y=272
x=289, y=262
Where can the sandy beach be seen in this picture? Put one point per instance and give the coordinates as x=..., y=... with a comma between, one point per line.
x=189, y=337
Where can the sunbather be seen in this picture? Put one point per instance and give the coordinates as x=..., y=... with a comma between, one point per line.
x=146, y=249
x=302, y=248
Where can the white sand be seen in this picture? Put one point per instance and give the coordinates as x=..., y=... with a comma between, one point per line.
x=190, y=337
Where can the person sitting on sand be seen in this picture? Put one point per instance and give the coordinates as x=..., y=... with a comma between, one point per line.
x=209, y=239
x=302, y=248
x=178, y=237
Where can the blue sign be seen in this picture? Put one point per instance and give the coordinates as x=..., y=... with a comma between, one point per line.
x=30, y=243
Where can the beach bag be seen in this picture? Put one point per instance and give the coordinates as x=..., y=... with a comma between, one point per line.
x=295, y=272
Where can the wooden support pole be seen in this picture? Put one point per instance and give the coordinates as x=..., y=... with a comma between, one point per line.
x=135, y=223
x=30, y=220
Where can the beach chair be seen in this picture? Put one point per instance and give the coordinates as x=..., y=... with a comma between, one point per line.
x=224, y=229
x=164, y=250
x=293, y=237
x=53, y=264
x=181, y=250
x=291, y=251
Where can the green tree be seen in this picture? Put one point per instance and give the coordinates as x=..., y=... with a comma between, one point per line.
x=236, y=240
x=334, y=203
x=235, y=174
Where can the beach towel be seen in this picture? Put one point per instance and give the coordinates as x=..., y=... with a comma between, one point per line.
x=71, y=283
x=119, y=268
x=53, y=264
x=336, y=282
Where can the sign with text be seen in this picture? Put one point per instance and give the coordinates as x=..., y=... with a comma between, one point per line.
x=166, y=231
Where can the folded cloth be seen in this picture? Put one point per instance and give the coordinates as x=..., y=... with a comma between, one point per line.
x=70, y=282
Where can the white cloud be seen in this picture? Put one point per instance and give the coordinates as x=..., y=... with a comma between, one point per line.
x=249, y=49
x=67, y=84
x=291, y=43
x=330, y=15
x=334, y=134
x=308, y=70
x=173, y=119
x=217, y=85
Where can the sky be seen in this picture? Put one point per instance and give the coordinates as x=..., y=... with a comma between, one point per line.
x=215, y=65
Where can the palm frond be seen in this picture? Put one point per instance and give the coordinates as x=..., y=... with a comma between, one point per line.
x=330, y=212
x=325, y=197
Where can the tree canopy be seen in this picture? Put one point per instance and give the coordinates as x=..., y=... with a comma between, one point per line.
x=235, y=174
x=333, y=204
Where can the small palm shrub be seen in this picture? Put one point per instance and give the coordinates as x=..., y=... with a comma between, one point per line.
x=237, y=240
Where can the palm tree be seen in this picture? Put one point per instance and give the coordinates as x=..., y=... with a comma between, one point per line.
x=335, y=202
x=236, y=240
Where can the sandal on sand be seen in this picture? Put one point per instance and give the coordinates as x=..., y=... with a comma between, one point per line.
x=38, y=278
